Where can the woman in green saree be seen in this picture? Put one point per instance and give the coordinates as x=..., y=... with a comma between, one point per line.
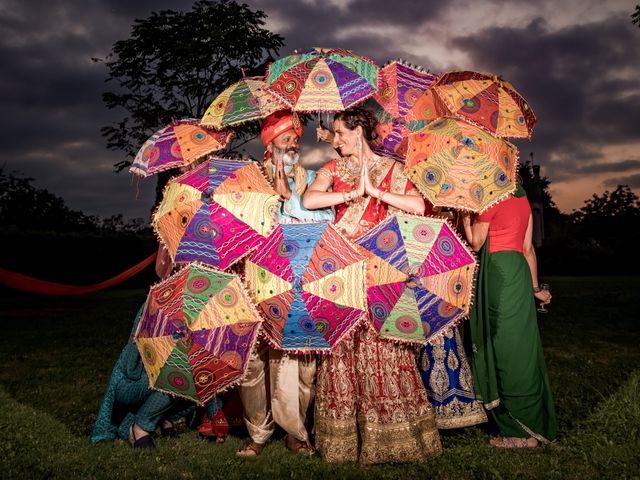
x=508, y=364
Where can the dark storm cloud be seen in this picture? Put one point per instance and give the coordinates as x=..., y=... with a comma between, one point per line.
x=580, y=80
x=632, y=180
x=50, y=91
x=327, y=25
x=623, y=166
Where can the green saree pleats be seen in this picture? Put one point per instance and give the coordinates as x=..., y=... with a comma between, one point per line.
x=508, y=363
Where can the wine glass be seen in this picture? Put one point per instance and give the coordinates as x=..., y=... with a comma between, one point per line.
x=541, y=309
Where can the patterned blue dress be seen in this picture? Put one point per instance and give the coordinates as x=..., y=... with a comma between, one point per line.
x=447, y=377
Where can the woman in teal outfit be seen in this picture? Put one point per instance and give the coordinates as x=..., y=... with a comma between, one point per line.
x=508, y=365
x=130, y=409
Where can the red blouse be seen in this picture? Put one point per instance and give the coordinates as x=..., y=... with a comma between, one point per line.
x=508, y=222
x=376, y=210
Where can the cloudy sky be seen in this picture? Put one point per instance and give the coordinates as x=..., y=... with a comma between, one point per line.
x=577, y=62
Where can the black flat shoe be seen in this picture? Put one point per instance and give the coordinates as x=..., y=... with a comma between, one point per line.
x=143, y=442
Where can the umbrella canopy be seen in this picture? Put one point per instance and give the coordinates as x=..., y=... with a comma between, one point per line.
x=308, y=282
x=400, y=87
x=217, y=213
x=196, y=333
x=487, y=101
x=455, y=164
x=419, y=277
x=427, y=108
x=243, y=101
x=177, y=145
x=322, y=80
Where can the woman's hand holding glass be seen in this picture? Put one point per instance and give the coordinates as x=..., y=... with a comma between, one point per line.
x=544, y=295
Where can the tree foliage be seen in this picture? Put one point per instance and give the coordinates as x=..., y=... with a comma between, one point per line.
x=619, y=210
x=635, y=16
x=27, y=208
x=175, y=63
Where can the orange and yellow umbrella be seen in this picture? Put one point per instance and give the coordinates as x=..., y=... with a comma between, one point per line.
x=487, y=101
x=456, y=164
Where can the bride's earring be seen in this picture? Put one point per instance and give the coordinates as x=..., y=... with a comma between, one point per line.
x=359, y=145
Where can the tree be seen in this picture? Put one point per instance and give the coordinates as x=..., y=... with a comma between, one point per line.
x=620, y=206
x=26, y=207
x=175, y=63
x=537, y=188
x=635, y=16
x=607, y=231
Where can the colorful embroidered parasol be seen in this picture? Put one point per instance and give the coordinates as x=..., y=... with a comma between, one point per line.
x=419, y=277
x=400, y=87
x=487, y=101
x=308, y=281
x=196, y=333
x=455, y=164
x=428, y=108
x=243, y=101
x=178, y=144
x=322, y=80
x=216, y=213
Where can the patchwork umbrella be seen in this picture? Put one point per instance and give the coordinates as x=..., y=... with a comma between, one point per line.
x=178, y=144
x=419, y=277
x=456, y=164
x=196, y=333
x=243, y=101
x=216, y=213
x=322, y=80
x=427, y=108
x=308, y=282
x=400, y=87
x=487, y=101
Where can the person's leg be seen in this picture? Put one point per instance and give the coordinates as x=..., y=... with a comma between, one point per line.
x=526, y=405
x=152, y=407
x=292, y=387
x=255, y=395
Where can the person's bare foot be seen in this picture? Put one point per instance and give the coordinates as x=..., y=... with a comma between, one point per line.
x=252, y=450
x=514, y=442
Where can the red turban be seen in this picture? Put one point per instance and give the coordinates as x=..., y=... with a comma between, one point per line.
x=277, y=123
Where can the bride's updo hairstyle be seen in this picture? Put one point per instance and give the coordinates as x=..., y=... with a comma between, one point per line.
x=359, y=117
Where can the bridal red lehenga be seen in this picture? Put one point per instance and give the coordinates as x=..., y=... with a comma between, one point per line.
x=371, y=405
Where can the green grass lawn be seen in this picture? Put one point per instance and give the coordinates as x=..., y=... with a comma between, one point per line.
x=57, y=354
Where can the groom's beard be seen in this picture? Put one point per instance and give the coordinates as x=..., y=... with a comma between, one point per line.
x=289, y=157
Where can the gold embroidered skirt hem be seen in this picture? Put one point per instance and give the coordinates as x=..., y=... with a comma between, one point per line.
x=445, y=422
x=367, y=442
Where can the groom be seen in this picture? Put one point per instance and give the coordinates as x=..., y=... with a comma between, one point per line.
x=279, y=387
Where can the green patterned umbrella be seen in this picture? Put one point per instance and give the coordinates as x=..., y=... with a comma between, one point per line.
x=243, y=101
